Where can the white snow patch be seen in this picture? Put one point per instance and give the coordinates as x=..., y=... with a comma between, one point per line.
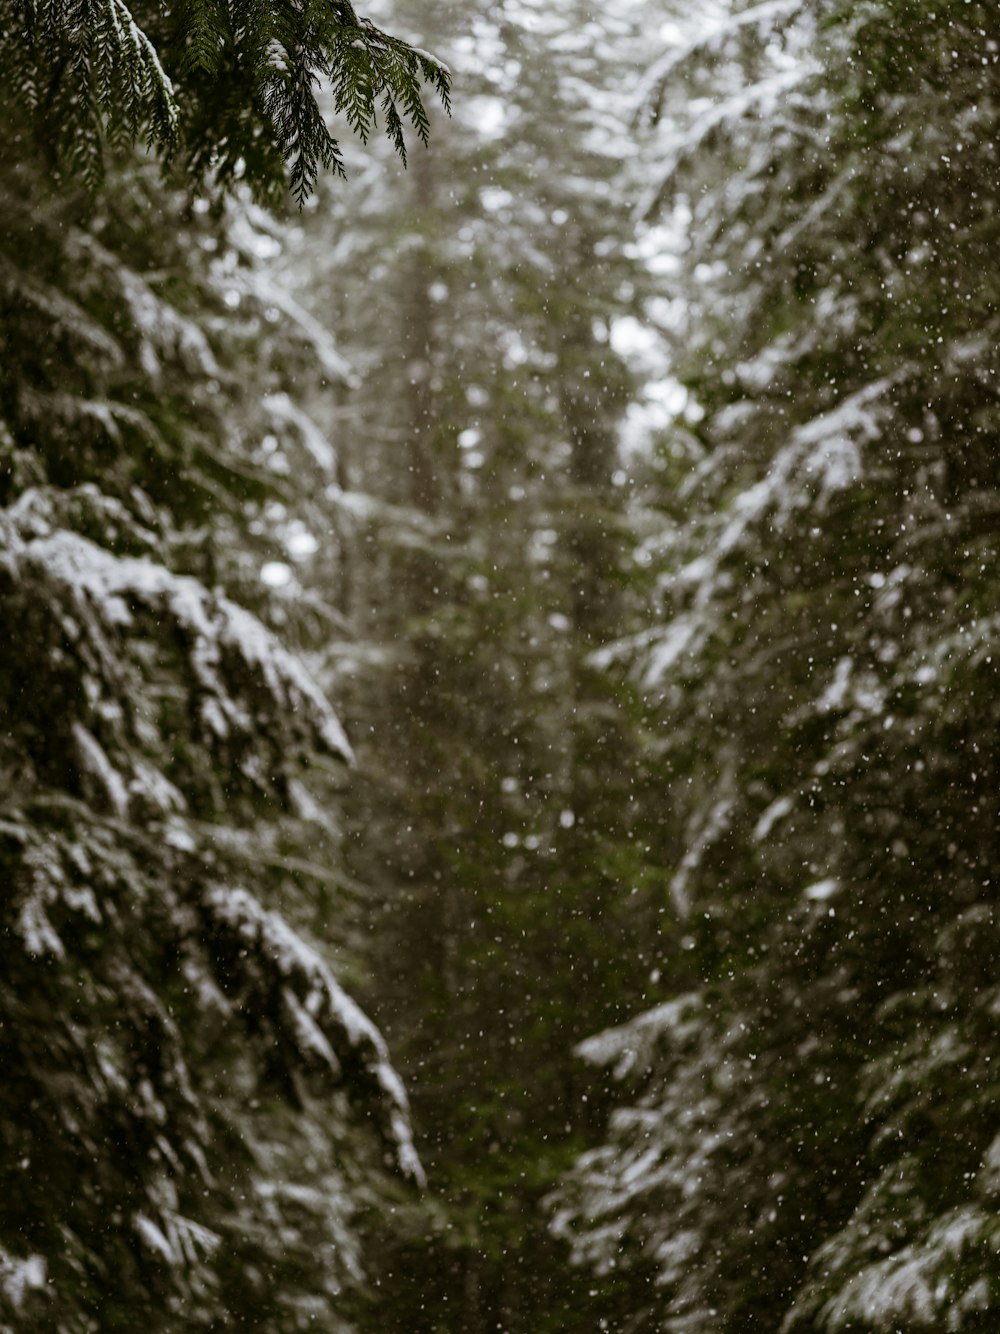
x=821, y=890
x=20, y=1275
x=276, y=574
x=777, y=811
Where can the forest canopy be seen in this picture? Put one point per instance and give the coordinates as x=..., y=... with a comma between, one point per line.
x=534, y=615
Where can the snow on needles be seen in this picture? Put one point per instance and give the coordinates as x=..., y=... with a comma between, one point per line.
x=223, y=639
x=324, y=1024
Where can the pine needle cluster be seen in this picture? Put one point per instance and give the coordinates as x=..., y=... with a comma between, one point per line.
x=223, y=88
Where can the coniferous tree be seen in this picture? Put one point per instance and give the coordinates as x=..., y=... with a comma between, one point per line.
x=809, y=1141
x=186, y=1083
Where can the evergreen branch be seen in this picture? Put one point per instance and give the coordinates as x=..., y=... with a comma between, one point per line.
x=205, y=37
x=311, y=1016
x=231, y=89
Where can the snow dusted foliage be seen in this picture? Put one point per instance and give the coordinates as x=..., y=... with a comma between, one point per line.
x=808, y=1140
x=191, y=1105
x=101, y=615
x=318, y=1021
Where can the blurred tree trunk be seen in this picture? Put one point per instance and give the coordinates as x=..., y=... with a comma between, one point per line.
x=495, y=800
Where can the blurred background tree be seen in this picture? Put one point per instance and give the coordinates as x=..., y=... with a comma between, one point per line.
x=500, y=801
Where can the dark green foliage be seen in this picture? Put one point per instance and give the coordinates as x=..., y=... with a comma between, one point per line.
x=229, y=91
x=810, y=1139
x=186, y=1085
